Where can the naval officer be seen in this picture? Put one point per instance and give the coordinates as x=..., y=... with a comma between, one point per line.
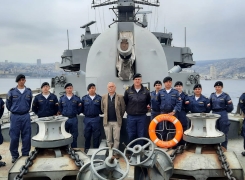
x=242, y=106
x=18, y=102
x=170, y=103
x=184, y=108
x=91, y=108
x=137, y=99
x=198, y=102
x=46, y=103
x=1, y=114
x=70, y=106
x=221, y=104
x=155, y=106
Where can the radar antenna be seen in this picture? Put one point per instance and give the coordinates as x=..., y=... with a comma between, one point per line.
x=144, y=22
x=125, y=10
x=98, y=3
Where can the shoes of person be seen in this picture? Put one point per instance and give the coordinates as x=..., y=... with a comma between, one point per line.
x=2, y=164
x=86, y=151
x=243, y=153
x=14, y=159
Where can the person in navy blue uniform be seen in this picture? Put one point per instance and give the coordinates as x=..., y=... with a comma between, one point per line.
x=45, y=104
x=137, y=99
x=155, y=106
x=91, y=108
x=170, y=103
x=1, y=114
x=198, y=102
x=221, y=104
x=70, y=106
x=18, y=102
x=184, y=108
x=242, y=107
x=1, y=136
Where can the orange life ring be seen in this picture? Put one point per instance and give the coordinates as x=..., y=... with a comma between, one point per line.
x=178, y=127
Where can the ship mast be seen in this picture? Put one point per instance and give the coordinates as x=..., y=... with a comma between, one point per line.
x=125, y=10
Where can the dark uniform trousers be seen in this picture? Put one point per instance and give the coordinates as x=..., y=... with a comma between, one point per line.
x=155, y=106
x=182, y=115
x=19, y=105
x=220, y=105
x=71, y=127
x=242, y=106
x=1, y=113
x=20, y=124
x=136, y=127
x=92, y=128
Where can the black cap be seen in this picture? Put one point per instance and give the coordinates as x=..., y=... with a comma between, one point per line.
x=44, y=84
x=218, y=83
x=137, y=75
x=19, y=77
x=166, y=79
x=90, y=85
x=178, y=83
x=68, y=84
x=157, y=82
x=197, y=86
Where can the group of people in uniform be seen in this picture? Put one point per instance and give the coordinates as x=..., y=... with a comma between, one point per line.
x=136, y=101
x=178, y=103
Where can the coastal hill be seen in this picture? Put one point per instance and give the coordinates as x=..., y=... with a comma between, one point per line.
x=224, y=68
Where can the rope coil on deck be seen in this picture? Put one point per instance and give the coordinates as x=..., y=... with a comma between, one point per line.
x=178, y=127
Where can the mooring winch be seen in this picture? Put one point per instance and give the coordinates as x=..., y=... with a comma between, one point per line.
x=52, y=157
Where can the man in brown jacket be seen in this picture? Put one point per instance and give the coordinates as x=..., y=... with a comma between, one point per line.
x=113, y=107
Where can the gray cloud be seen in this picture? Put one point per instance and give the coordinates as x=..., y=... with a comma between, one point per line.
x=37, y=29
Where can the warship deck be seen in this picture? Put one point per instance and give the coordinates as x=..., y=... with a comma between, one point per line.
x=235, y=145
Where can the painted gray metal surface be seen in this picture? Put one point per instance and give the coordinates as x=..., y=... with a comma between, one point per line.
x=203, y=130
x=51, y=133
x=202, y=166
x=47, y=165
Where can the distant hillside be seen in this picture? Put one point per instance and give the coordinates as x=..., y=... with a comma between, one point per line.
x=224, y=67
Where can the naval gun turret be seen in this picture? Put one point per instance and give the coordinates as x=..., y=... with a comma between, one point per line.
x=122, y=50
x=129, y=49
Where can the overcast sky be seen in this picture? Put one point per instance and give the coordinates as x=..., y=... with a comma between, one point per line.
x=36, y=29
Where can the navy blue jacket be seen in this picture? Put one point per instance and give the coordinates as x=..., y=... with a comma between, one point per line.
x=136, y=102
x=242, y=102
x=221, y=103
x=91, y=108
x=18, y=103
x=184, y=99
x=200, y=105
x=45, y=107
x=1, y=107
x=70, y=108
x=169, y=102
x=155, y=104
